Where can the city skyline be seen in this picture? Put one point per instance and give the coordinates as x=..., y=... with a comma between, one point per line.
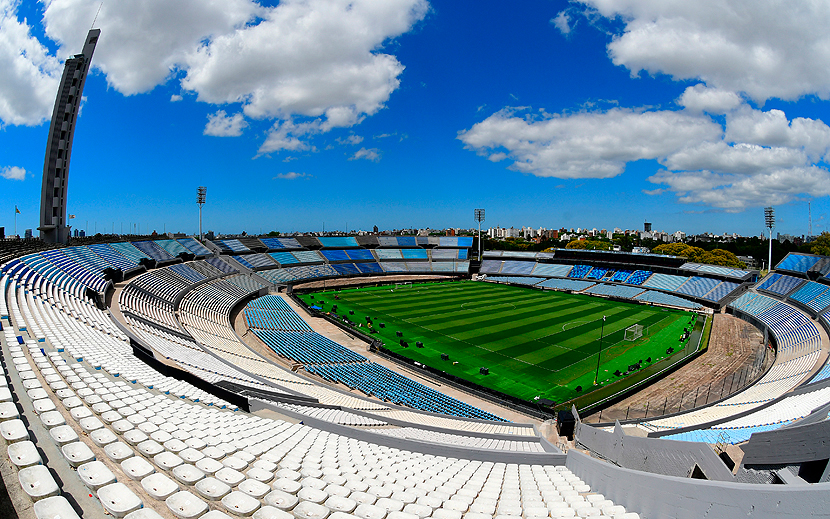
x=410, y=113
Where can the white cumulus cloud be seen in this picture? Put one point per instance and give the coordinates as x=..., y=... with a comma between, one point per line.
x=764, y=48
x=222, y=125
x=30, y=75
x=372, y=154
x=299, y=61
x=758, y=157
x=13, y=173
x=586, y=144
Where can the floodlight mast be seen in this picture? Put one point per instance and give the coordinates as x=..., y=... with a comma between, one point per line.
x=479, y=217
x=201, y=194
x=769, y=219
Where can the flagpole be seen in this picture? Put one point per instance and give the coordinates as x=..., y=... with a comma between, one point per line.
x=15, y=221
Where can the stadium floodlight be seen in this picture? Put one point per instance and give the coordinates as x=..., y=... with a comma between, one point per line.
x=769, y=220
x=201, y=194
x=599, y=354
x=479, y=217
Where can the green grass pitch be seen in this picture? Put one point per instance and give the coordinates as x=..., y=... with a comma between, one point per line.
x=535, y=343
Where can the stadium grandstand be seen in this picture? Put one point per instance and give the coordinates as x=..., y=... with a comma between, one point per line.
x=156, y=402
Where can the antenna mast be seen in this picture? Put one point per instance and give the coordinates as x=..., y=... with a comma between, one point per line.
x=810, y=215
x=97, y=13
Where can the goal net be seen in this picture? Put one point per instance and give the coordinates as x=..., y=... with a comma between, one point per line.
x=406, y=284
x=634, y=332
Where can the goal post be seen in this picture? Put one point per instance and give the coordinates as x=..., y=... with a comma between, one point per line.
x=404, y=284
x=634, y=332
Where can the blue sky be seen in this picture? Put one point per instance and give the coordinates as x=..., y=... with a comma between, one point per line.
x=407, y=113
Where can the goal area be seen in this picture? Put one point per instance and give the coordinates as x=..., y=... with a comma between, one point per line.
x=634, y=332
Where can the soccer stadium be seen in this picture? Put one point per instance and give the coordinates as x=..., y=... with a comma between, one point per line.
x=401, y=377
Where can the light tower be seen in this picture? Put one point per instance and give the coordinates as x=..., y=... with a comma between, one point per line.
x=479, y=217
x=769, y=219
x=201, y=194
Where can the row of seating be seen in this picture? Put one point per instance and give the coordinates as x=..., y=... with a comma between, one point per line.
x=376, y=380
x=799, y=347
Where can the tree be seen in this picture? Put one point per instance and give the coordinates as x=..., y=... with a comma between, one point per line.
x=822, y=244
x=589, y=245
x=720, y=257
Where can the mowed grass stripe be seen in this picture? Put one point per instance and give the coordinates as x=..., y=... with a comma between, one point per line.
x=414, y=305
x=531, y=321
x=447, y=317
x=466, y=327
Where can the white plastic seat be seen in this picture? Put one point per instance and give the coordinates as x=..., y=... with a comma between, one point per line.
x=167, y=460
x=229, y=476
x=313, y=495
x=187, y=474
x=212, y=489
x=51, y=418
x=37, y=482
x=63, y=434
x=122, y=426
x=95, y=475
x=259, y=474
x=118, y=451
x=309, y=510
x=186, y=505
x=208, y=465
x=149, y=448
x=42, y=405
x=365, y=511
x=134, y=437
x=9, y=411
x=90, y=423
x=341, y=504
x=37, y=393
x=239, y=503
x=286, y=485
x=137, y=468
x=118, y=500
x=269, y=512
x=159, y=486
x=56, y=507
x=144, y=513
x=24, y=454
x=281, y=500
x=14, y=431
x=389, y=504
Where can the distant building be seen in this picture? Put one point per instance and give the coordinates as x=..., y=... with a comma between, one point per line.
x=647, y=227
x=28, y=233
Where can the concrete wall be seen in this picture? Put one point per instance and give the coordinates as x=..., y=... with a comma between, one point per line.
x=654, y=496
x=667, y=457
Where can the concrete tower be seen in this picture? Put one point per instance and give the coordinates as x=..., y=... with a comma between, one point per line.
x=53, y=228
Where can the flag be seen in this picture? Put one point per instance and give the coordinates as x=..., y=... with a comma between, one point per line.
x=16, y=210
x=71, y=216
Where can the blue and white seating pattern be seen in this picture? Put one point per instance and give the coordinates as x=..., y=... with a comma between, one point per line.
x=152, y=250
x=661, y=298
x=517, y=267
x=810, y=292
x=638, y=277
x=795, y=262
x=195, y=247
x=551, y=270
x=666, y=282
x=575, y=285
x=779, y=284
x=338, y=241
x=615, y=291
x=579, y=271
